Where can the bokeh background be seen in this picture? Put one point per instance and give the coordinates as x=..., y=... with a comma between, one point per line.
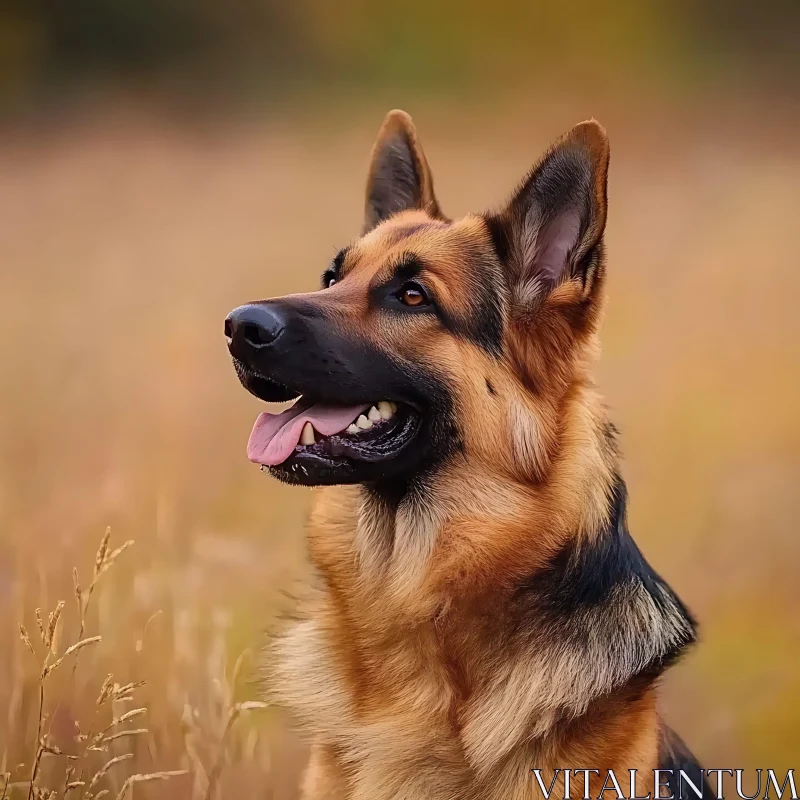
x=162, y=161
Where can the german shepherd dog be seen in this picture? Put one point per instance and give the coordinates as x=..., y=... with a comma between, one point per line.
x=479, y=609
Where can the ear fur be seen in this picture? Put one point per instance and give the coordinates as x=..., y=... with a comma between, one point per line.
x=552, y=228
x=399, y=176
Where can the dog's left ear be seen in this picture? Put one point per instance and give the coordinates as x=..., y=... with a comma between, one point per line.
x=551, y=231
x=399, y=176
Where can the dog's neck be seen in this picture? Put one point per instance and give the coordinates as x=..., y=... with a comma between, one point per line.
x=531, y=510
x=590, y=617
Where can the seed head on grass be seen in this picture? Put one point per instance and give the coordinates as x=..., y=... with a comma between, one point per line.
x=40, y=625
x=53, y=750
x=124, y=694
x=104, y=560
x=152, y=776
x=100, y=774
x=112, y=557
x=48, y=668
x=23, y=634
x=122, y=734
x=233, y=714
x=97, y=742
x=52, y=624
x=100, y=557
x=105, y=689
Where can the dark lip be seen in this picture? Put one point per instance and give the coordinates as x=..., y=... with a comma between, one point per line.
x=262, y=387
x=271, y=391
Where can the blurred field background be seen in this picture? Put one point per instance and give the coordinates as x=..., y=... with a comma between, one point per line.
x=162, y=161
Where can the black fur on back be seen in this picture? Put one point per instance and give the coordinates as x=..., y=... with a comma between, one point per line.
x=600, y=596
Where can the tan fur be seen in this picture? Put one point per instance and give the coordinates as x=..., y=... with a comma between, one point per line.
x=404, y=669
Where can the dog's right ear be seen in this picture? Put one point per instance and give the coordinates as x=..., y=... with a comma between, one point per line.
x=399, y=176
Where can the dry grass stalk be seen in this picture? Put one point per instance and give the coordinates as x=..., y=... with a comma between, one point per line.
x=27, y=640
x=48, y=634
x=53, y=750
x=81, y=779
x=48, y=668
x=100, y=774
x=105, y=690
x=40, y=625
x=38, y=757
x=121, y=734
x=52, y=624
x=192, y=734
x=128, y=715
x=152, y=776
x=140, y=642
x=103, y=561
x=235, y=712
x=96, y=743
x=101, y=551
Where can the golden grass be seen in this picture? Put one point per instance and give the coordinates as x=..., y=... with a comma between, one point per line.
x=124, y=242
x=84, y=768
x=79, y=777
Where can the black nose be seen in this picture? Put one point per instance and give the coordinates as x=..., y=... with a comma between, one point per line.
x=252, y=327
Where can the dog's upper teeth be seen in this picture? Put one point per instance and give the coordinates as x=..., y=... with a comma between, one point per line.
x=374, y=414
x=353, y=428
x=385, y=410
x=307, y=435
x=363, y=423
x=393, y=406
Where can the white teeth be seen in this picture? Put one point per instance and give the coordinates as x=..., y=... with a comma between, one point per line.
x=376, y=414
x=307, y=436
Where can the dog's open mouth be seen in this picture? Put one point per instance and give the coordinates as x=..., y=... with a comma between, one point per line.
x=366, y=432
x=322, y=441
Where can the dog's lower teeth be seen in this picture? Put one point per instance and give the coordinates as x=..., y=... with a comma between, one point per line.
x=374, y=414
x=352, y=428
x=363, y=423
x=385, y=410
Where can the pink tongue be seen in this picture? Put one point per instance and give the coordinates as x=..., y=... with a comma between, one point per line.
x=275, y=436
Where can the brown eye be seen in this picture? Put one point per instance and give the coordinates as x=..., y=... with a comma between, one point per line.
x=413, y=295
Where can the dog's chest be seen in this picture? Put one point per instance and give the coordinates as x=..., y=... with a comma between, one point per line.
x=388, y=711
x=399, y=739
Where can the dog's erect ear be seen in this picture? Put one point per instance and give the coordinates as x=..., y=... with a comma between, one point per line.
x=552, y=228
x=399, y=176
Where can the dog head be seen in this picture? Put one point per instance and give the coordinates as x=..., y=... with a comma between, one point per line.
x=432, y=338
